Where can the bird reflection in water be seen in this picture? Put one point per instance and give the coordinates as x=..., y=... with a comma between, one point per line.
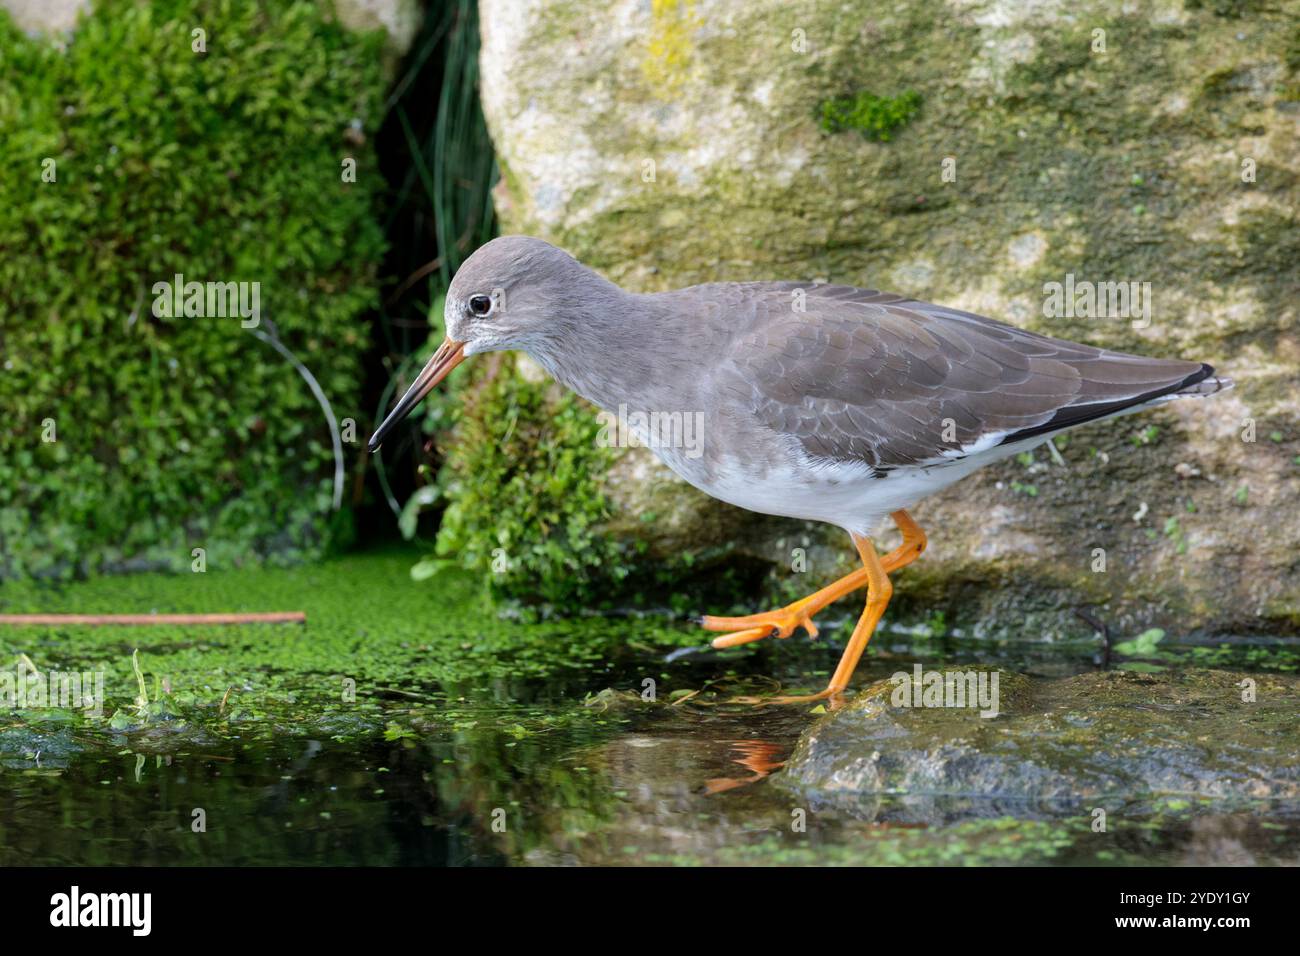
x=758, y=756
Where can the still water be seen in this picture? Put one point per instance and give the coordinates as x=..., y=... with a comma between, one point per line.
x=555, y=772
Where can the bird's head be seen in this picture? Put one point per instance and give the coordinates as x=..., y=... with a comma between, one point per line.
x=507, y=295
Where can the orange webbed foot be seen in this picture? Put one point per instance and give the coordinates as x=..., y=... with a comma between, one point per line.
x=754, y=627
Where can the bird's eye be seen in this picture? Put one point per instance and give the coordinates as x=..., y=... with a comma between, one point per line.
x=480, y=305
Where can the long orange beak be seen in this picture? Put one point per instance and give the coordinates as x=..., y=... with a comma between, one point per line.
x=450, y=354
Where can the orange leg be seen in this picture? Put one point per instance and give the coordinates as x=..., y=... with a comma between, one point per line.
x=782, y=623
x=879, y=590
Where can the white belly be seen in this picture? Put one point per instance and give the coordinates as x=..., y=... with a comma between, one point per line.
x=846, y=494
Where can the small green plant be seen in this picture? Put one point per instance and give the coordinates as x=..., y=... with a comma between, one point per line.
x=1144, y=645
x=936, y=625
x=522, y=482
x=395, y=731
x=1174, y=532
x=1146, y=436
x=141, y=698
x=144, y=708
x=875, y=117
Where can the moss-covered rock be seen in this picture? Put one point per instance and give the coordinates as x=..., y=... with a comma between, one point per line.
x=1116, y=735
x=673, y=142
x=537, y=537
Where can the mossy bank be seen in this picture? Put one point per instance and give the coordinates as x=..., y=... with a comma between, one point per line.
x=217, y=141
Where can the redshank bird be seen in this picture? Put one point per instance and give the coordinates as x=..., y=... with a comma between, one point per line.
x=822, y=402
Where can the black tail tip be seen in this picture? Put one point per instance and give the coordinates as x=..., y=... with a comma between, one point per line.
x=1204, y=382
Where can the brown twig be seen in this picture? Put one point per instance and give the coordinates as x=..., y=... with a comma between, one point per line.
x=271, y=617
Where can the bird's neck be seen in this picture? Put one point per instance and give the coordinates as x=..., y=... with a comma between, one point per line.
x=618, y=349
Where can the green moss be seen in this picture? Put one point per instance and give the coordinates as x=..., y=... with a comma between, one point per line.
x=875, y=117
x=389, y=675
x=177, y=433
x=423, y=641
x=523, y=485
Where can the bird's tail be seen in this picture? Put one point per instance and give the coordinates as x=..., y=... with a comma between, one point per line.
x=1207, y=384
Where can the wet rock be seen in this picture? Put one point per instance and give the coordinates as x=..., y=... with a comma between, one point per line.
x=1113, y=736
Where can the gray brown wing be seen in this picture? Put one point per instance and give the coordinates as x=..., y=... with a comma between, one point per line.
x=868, y=376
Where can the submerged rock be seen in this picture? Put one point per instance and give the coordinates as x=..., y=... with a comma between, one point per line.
x=1125, y=737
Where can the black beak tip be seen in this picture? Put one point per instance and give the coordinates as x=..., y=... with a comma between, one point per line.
x=372, y=446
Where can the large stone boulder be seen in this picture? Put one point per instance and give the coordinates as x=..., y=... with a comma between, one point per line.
x=969, y=153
